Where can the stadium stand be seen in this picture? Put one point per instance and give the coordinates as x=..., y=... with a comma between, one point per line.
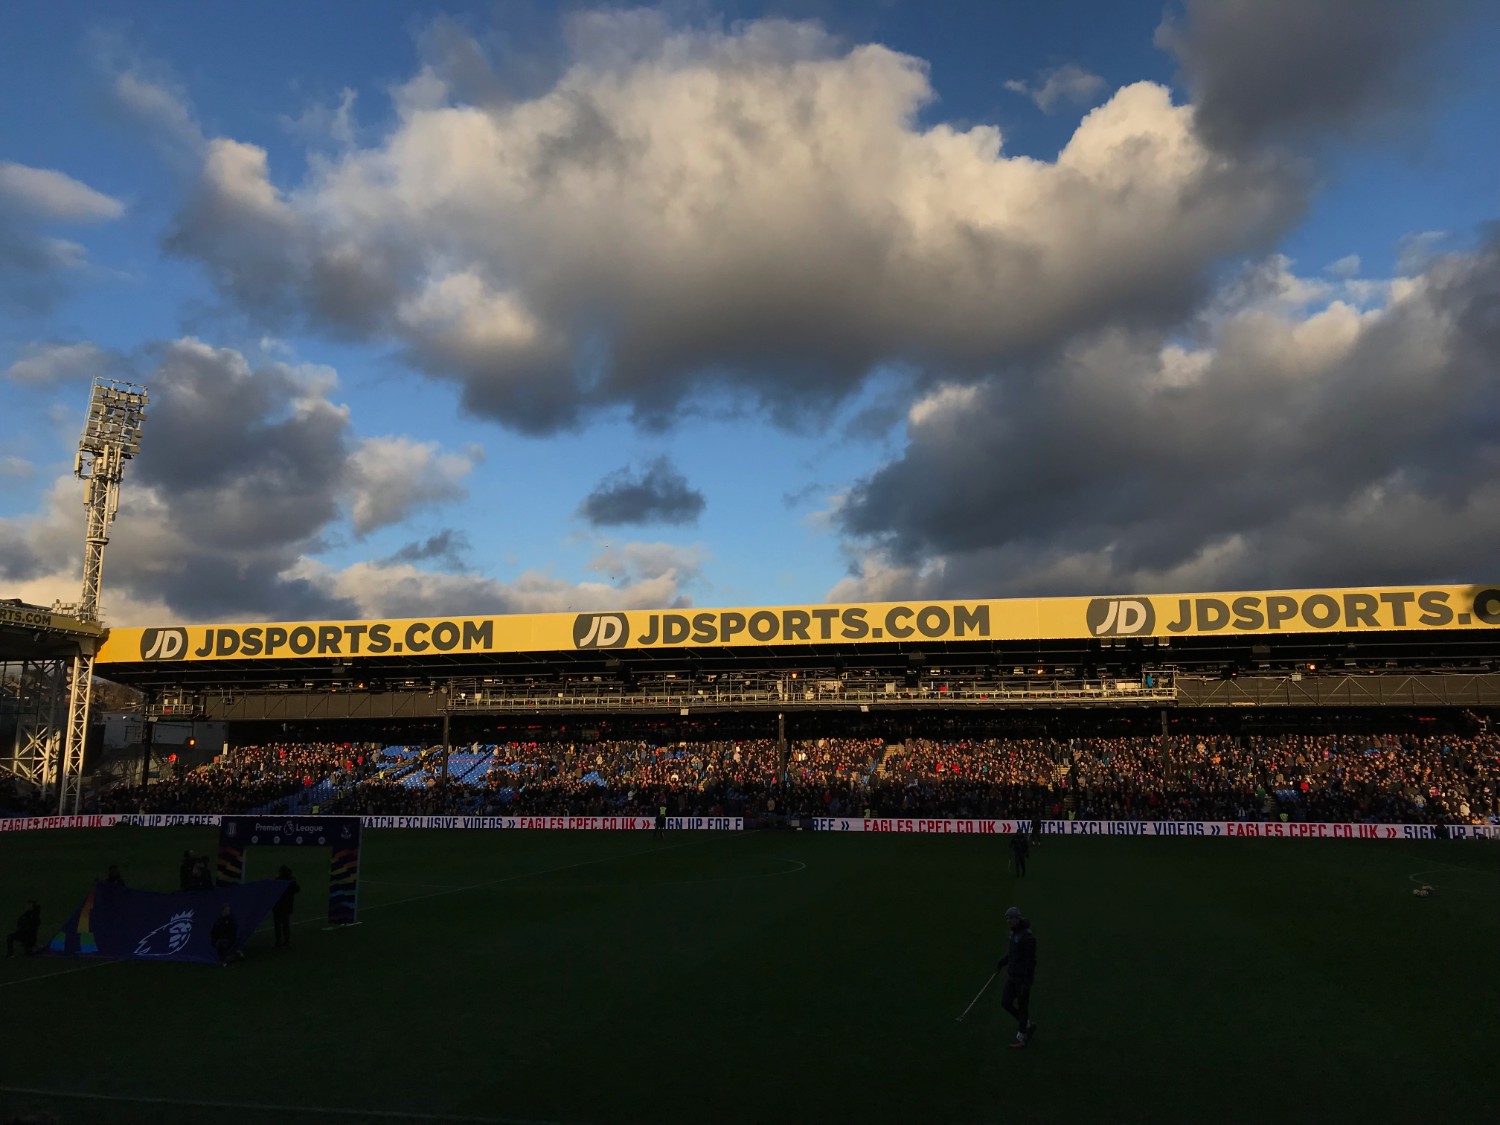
x=1391, y=777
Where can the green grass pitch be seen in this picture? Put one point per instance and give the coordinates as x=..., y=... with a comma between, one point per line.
x=597, y=978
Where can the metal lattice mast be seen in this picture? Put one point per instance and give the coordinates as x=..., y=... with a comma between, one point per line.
x=35, y=690
x=111, y=436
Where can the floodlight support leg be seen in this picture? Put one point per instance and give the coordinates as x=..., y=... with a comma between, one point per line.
x=148, y=742
x=39, y=727
x=70, y=776
x=443, y=782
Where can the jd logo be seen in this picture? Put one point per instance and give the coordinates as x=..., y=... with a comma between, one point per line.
x=163, y=644
x=1120, y=617
x=599, y=630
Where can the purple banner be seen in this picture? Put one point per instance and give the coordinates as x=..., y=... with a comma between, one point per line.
x=117, y=921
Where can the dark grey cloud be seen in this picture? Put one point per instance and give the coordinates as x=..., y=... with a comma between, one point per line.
x=1270, y=71
x=37, y=267
x=18, y=561
x=241, y=476
x=215, y=421
x=568, y=249
x=35, y=270
x=217, y=587
x=1291, y=448
x=658, y=493
x=245, y=477
x=245, y=468
x=446, y=549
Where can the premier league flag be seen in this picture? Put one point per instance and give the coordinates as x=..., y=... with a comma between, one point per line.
x=116, y=921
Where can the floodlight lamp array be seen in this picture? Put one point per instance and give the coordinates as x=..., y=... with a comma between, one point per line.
x=116, y=411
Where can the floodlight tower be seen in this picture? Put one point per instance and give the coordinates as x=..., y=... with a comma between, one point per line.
x=111, y=436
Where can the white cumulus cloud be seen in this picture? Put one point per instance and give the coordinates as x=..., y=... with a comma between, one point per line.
x=50, y=365
x=56, y=195
x=390, y=477
x=687, y=210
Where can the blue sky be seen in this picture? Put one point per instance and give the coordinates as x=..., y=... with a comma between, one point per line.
x=804, y=296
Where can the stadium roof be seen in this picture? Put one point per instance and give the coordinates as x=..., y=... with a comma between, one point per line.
x=33, y=632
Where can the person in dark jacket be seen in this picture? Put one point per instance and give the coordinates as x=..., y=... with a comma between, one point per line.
x=223, y=935
x=1020, y=960
x=201, y=878
x=1019, y=850
x=27, y=926
x=185, y=870
x=281, y=913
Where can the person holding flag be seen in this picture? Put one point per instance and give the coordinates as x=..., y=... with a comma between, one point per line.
x=281, y=913
x=27, y=926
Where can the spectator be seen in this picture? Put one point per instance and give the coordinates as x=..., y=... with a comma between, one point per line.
x=27, y=926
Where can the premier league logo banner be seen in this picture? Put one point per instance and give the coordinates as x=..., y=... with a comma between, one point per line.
x=116, y=921
x=296, y=831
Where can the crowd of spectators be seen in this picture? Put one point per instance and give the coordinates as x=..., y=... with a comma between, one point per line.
x=1436, y=778
x=1330, y=777
x=972, y=777
x=1212, y=776
x=620, y=777
x=17, y=799
x=243, y=778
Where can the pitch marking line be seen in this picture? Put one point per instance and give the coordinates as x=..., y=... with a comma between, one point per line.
x=800, y=866
x=1463, y=867
x=59, y=973
x=262, y=1107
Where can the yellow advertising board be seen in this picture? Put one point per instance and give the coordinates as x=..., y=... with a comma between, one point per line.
x=19, y=615
x=1375, y=609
